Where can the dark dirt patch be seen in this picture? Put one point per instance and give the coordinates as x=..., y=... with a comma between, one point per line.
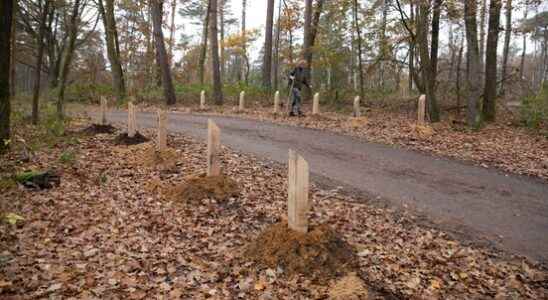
x=124, y=139
x=321, y=253
x=98, y=129
x=197, y=188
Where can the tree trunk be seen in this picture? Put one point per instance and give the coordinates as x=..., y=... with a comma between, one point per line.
x=505, y=52
x=310, y=30
x=267, y=59
x=359, y=37
x=524, y=47
x=276, y=72
x=13, y=42
x=490, y=91
x=214, y=45
x=172, y=31
x=6, y=15
x=167, y=83
x=411, y=50
x=452, y=54
x=113, y=48
x=159, y=59
x=473, y=78
x=67, y=60
x=383, y=44
x=37, y=71
x=222, y=36
x=245, y=61
x=458, y=84
x=483, y=15
x=203, y=51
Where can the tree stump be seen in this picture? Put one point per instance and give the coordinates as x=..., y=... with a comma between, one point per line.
x=357, y=111
x=316, y=104
x=162, y=130
x=297, y=199
x=213, y=149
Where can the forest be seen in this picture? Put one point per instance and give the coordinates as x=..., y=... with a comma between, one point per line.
x=159, y=149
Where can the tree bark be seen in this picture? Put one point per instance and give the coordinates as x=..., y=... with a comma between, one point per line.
x=524, y=47
x=276, y=72
x=360, y=59
x=12, y=70
x=6, y=15
x=505, y=52
x=113, y=48
x=217, y=83
x=383, y=44
x=267, y=59
x=222, y=36
x=473, y=76
x=203, y=51
x=245, y=60
x=310, y=30
x=411, y=50
x=490, y=90
x=67, y=59
x=172, y=31
x=167, y=82
x=37, y=71
x=483, y=15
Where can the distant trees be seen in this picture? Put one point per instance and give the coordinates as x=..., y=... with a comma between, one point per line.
x=6, y=14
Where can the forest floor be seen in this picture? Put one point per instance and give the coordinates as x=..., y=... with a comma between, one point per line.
x=112, y=230
x=499, y=145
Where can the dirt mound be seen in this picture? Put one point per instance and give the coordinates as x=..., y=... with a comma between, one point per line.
x=164, y=159
x=348, y=288
x=99, y=128
x=321, y=253
x=197, y=188
x=124, y=139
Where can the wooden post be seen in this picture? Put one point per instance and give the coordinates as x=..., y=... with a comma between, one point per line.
x=131, y=123
x=241, y=107
x=103, y=116
x=421, y=111
x=316, y=104
x=357, y=111
x=297, y=198
x=162, y=130
x=202, y=100
x=277, y=102
x=213, y=149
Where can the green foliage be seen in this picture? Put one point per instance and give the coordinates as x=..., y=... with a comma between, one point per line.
x=67, y=157
x=534, y=109
x=25, y=176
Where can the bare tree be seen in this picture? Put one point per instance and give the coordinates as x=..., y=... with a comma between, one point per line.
x=172, y=31
x=113, y=48
x=490, y=91
x=267, y=59
x=311, y=21
x=245, y=59
x=359, y=40
x=214, y=45
x=524, y=47
x=44, y=10
x=6, y=15
x=203, y=50
x=473, y=76
x=167, y=83
x=505, y=52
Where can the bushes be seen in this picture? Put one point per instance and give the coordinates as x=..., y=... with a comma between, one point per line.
x=534, y=109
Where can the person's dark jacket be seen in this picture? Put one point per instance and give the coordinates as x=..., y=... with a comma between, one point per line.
x=299, y=78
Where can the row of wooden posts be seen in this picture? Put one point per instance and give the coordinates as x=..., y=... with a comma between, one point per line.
x=298, y=172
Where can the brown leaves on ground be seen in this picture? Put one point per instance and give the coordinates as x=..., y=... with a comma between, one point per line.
x=103, y=234
x=512, y=149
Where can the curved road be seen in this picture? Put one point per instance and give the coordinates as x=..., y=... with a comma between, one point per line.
x=508, y=211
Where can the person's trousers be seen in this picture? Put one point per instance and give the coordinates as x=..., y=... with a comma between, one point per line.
x=296, y=103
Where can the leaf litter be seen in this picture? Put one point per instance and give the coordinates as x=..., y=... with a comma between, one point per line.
x=116, y=238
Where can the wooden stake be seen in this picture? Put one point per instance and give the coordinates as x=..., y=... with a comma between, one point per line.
x=277, y=102
x=213, y=149
x=297, y=199
x=316, y=104
x=162, y=130
x=421, y=111
x=202, y=100
x=357, y=111
x=242, y=101
x=103, y=116
x=131, y=122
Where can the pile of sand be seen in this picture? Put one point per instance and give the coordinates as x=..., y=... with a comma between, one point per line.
x=196, y=188
x=124, y=139
x=320, y=254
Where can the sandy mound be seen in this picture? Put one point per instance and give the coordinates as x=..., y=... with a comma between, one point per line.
x=422, y=131
x=320, y=254
x=98, y=128
x=197, y=188
x=349, y=287
x=164, y=159
x=124, y=139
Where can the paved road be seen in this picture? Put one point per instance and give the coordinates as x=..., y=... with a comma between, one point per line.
x=509, y=211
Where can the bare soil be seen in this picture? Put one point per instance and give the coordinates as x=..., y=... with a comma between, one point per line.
x=124, y=139
x=197, y=188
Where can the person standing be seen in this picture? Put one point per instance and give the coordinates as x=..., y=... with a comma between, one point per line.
x=297, y=80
